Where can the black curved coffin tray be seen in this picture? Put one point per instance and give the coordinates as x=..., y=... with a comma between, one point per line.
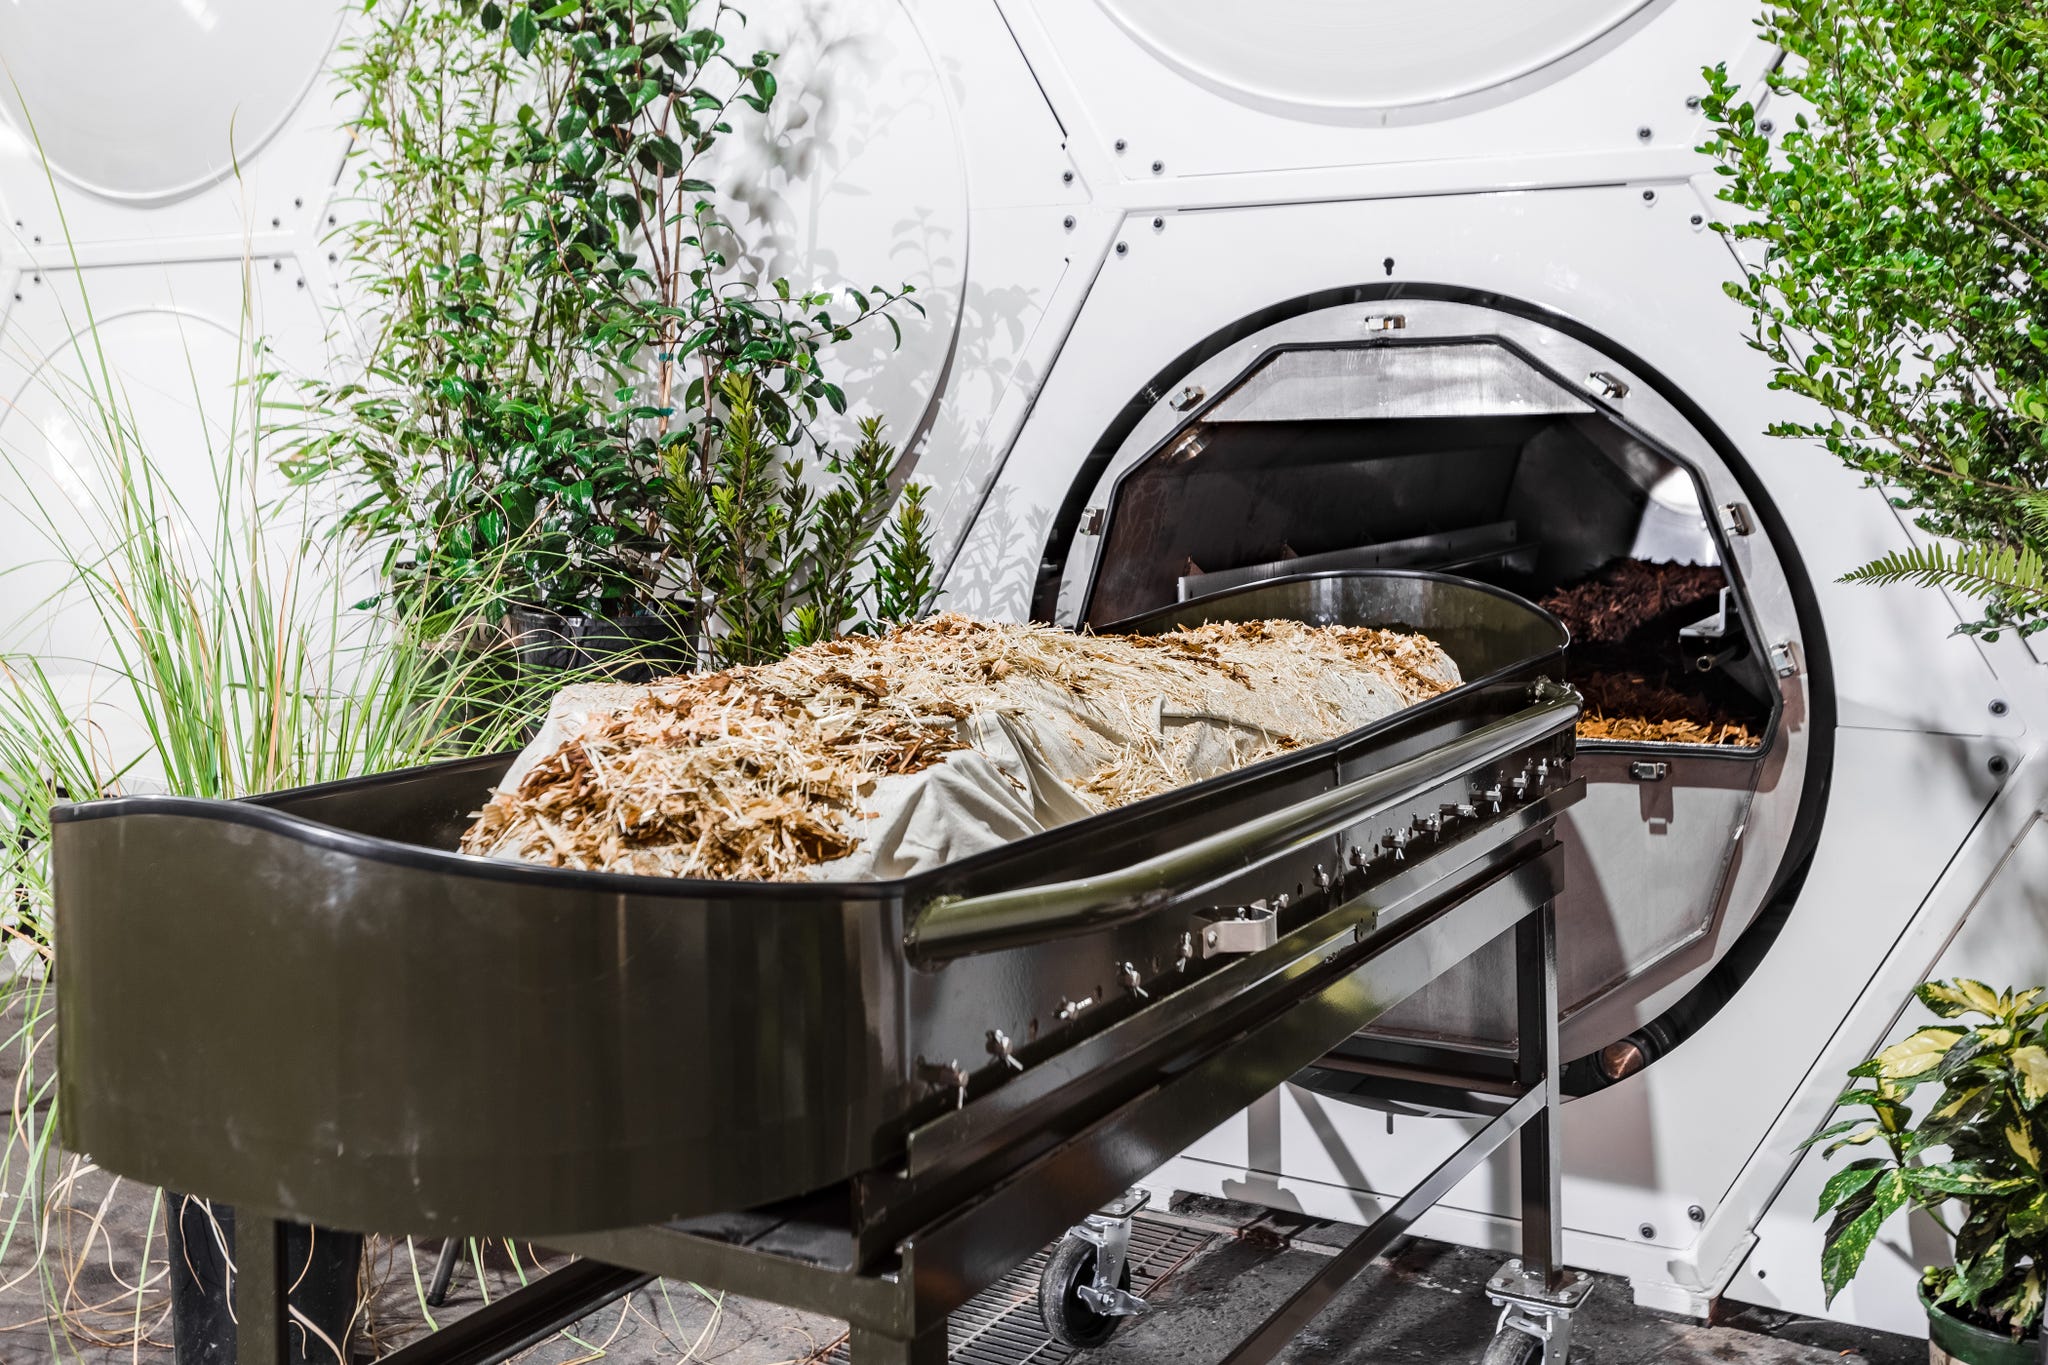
x=308, y=1004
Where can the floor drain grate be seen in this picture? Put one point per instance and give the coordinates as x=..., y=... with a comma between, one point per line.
x=1000, y=1325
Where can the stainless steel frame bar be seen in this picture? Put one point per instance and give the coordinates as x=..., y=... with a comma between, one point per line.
x=262, y=1310
x=1370, y=1244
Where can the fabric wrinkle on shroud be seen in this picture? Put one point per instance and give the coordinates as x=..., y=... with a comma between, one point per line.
x=871, y=758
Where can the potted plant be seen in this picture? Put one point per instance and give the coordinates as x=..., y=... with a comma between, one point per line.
x=1971, y=1160
x=1885, y=187
x=560, y=318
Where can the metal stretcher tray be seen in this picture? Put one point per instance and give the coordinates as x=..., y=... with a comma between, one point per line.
x=310, y=1006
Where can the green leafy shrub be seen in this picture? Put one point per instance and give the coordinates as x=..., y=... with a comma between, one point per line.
x=1979, y=1145
x=559, y=325
x=1900, y=214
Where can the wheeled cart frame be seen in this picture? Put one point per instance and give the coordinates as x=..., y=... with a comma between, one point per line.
x=800, y=1255
x=1117, y=987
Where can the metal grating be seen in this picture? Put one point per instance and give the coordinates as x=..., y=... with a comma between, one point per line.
x=1000, y=1325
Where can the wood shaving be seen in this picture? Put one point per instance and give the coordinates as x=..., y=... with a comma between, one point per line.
x=760, y=773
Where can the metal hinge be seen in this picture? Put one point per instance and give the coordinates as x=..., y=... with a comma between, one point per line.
x=1246, y=929
x=1785, y=658
x=1607, y=385
x=1735, y=519
x=1188, y=397
x=1644, y=771
x=1386, y=322
x=1091, y=522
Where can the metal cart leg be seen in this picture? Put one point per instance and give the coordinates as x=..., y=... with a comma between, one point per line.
x=1536, y=1294
x=444, y=1271
x=261, y=1317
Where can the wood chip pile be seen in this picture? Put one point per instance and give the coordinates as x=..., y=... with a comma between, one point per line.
x=782, y=772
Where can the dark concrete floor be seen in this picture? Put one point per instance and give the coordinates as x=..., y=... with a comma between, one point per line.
x=1424, y=1304
x=80, y=1243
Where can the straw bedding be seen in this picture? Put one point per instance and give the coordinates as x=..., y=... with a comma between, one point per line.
x=874, y=757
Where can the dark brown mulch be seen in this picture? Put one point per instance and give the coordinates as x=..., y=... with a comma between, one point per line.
x=1630, y=594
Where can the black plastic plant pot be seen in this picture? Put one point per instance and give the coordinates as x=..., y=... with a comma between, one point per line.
x=322, y=1266
x=636, y=648
x=1957, y=1341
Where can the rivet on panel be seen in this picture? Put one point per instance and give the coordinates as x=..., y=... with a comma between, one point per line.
x=1120, y=145
x=1159, y=225
x=1158, y=167
x=1643, y=133
x=1122, y=248
x=1068, y=222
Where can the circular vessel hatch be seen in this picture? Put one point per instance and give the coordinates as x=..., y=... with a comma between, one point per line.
x=205, y=84
x=1343, y=56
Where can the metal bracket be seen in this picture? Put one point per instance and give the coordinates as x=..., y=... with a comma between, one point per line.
x=1607, y=385
x=1247, y=929
x=1531, y=1306
x=1712, y=627
x=1736, y=520
x=1110, y=1233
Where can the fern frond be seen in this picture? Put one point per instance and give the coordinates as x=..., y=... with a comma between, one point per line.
x=1983, y=570
x=2034, y=512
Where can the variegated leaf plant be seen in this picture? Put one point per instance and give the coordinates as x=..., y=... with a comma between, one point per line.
x=1978, y=1146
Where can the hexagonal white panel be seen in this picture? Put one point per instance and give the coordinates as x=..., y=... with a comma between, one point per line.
x=202, y=83
x=1342, y=55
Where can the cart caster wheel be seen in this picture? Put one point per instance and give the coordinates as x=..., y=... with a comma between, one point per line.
x=1067, y=1316
x=1513, y=1348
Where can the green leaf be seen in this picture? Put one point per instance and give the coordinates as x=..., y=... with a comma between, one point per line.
x=1960, y=1177
x=1850, y=1180
x=1917, y=1054
x=1848, y=1239
x=1961, y=996
x=2030, y=1068
x=523, y=31
x=2022, y=1144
